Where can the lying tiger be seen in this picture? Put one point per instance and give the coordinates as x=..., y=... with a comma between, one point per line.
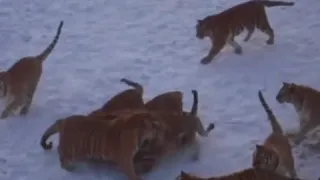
x=246, y=174
x=221, y=28
x=82, y=138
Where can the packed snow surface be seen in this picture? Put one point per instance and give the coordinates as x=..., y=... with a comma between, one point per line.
x=153, y=42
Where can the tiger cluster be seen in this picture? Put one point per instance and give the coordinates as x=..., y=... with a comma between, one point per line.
x=136, y=135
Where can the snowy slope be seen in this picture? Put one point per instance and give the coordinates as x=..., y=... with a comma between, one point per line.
x=154, y=43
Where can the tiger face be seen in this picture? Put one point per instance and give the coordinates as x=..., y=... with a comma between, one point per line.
x=285, y=94
x=264, y=158
x=202, y=30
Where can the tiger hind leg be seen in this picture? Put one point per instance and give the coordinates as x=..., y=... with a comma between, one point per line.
x=25, y=108
x=265, y=27
x=10, y=108
x=250, y=32
x=67, y=165
x=236, y=46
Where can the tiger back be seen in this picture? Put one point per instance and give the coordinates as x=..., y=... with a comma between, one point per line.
x=19, y=82
x=275, y=154
x=129, y=99
x=222, y=27
x=250, y=173
x=168, y=102
x=306, y=101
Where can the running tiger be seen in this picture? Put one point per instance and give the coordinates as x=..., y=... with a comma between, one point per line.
x=306, y=102
x=19, y=83
x=126, y=100
x=82, y=138
x=276, y=153
x=246, y=174
x=221, y=28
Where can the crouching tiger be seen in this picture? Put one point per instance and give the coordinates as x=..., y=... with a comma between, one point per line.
x=250, y=173
x=82, y=138
x=224, y=26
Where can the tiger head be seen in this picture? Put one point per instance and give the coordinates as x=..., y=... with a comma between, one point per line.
x=265, y=158
x=3, y=87
x=187, y=176
x=202, y=29
x=286, y=93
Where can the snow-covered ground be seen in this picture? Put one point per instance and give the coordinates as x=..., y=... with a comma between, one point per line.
x=154, y=43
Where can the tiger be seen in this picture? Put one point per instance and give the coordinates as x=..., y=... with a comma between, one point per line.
x=127, y=99
x=82, y=138
x=275, y=154
x=19, y=82
x=182, y=127
x=222, y=27
x=306, y=102
x=249, y=173
x=169, y=102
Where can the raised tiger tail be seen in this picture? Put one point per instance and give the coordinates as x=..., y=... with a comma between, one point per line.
x=135, y=85
x=48, y=50
x=275, y=3
x=276, y=128
x=54, y=128
x=194, y=109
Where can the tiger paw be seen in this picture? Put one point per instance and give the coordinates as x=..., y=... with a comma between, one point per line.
x=68, y=167
x=238, y=51
x=206, y=60
x=210, y=127
x=24, y=111
x=270, y=41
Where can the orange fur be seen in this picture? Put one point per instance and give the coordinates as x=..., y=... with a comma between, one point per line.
x=221, y=28
x=169, y=102
x=246, y=174
x=82, y=138
x=19, y=83
x=275, y=154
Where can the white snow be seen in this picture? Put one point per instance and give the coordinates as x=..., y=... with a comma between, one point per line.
x=154, y=43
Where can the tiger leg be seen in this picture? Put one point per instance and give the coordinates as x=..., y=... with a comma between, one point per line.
x=125, y=159
x=304, y=130
x=293, y=174
x=236, y=46
x=250, y=32
x=11, y=107
x=265, y=27
x=217, y=44
x=145, y=164
x=65, y=163
x=29, y=97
